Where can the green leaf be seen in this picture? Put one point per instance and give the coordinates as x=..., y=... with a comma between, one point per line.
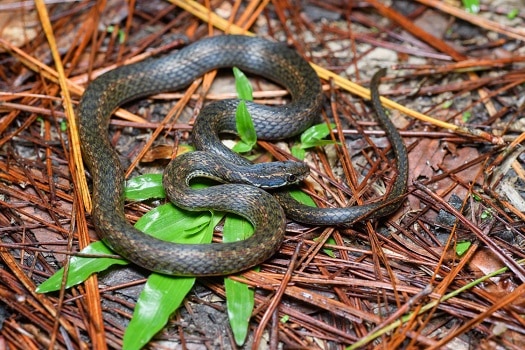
x=244, y=124
x=162, y=295
x=243, y=119
x=513, y=13
x=166, y=222
x=316, y=132
x=172, y=224
x=313, y=137
x=317, y=143
x=466, y=116
x=471, y=6
x=63, y=126
x=144, y=187
x=327, y=251
x=157, y=302
x=236, y=228
x=80, y=268
x=242, y=147
x=298, y=152
x=121, y=36
x=486, y=214
x=242, y=85
x=302, y=198
x=462, y=247
x=121, y=33
x=240, y=298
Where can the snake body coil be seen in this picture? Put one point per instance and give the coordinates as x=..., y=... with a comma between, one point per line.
x=271, y=60
x=171, y=73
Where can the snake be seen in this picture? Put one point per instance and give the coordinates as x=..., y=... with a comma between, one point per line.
x=271, y=60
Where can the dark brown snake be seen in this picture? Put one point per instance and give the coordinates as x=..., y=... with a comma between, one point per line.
x=270, y=60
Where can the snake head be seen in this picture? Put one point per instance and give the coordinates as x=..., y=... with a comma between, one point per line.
x=279, y=174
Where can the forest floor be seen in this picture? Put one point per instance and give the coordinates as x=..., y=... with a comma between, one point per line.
x=445, y=271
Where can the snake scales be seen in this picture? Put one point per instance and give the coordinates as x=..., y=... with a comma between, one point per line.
x=270, y=60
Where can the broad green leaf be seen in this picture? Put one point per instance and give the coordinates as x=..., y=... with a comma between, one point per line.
x=144, y=187
x=242, y=85
x=240, y=298
x=243, y=119
x=166, y=222
x=172, y=224
x=316, y=132
x=162, y=294
x=157, y=302
x=80, y=268
x=236, y=228
x=244, y=124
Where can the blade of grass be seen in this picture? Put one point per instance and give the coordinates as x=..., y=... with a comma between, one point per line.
x=243, y=119
x=240, y=298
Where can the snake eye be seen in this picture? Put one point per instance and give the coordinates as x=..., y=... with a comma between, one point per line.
x=291, y=178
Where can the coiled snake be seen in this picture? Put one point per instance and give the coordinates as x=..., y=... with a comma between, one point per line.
x=270, y=60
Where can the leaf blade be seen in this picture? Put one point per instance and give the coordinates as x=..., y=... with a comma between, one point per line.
x=240, y=298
